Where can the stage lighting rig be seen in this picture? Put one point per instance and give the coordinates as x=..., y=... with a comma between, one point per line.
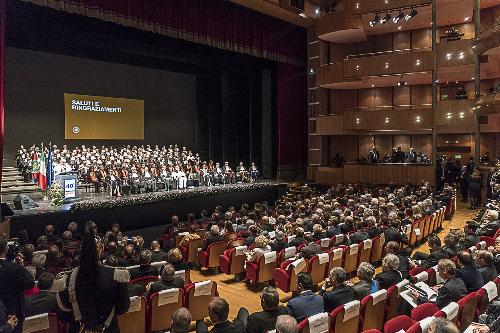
x=375, y=20
x=386, y=18
x=411, y=14
x=398, y=17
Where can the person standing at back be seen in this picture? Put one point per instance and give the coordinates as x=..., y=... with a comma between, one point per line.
x=14, y=279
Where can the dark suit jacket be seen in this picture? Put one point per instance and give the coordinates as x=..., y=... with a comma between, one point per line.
x=212, y=239
x=235, y=326
x=14, y=279
x=305, y=305
x=43, y=302
x=296, y=241
x=4, y=327
x=164, y=285
x=143, y=271
x=451, y=251
x=387, y=279
x=338, y=296
x=472, y=278
x=451, y=291
x=392, y=234
x=362, y=288
x=308, y=251
x=469, y=241
x=488, y=272
x=403, y=265
x=157, y=256
x=332, y=231
x=373, y=232
x=434, y=257
x=135, y=290
x=358, y=237
x=263, y=321
x=278, y=245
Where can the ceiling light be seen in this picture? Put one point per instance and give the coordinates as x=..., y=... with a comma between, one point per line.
x=357, y=67
x=357, y=5
x=448, y=56
x=375, y=20
x=411, y=14
x=311, y=71
x=401, y=83
x=437, y=81
x=317, y=11
x=386, y=18
x=357, y=120
x=418, y=119
x=472, y=78
x=473, y=46
x=399, y=28
x=467, y=18
x=418, y=62
x=386, y=120
x=461, y=114
x=386, y=65
x=449, y=115
x=303, y=15
x=373, y=85
x=461, y=55
x=386, y=2
x=399, y=17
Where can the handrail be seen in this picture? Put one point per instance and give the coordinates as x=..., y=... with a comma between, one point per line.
x=390, y=107
x=373, y=54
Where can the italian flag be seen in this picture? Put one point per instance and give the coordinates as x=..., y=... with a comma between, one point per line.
x=42, y=178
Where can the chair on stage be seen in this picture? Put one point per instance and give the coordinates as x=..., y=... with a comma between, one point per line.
x=190, y=251
x=345, y=318
x=285, y=276
x=232, y=262
x=144, y=281
x=211, y=257
x=197, y=296
x=400, y=323
x=263, y=269
x=134, y=320
x=318, y=266
x=161, y=307
x=320, y=320
x=372, y=311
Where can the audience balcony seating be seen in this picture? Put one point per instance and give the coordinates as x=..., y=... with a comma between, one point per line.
x=210, y=257
x=372, y=311
x=337, y=256
x=38, y=321
x=400, y=323
x=190, y=251
x=322, y=321
x=365, y=251
x=351, y=258
x=144, y=281
x=134, y=321
x=377, y=249
x=394, y=299
x=197, y=296
x=235, y=242
x=285, y=276
x=345, y=318
x=318, y=267
x=423, y=311
x=485, y=296
x=230, y=235
x=467, y=311
x=161, y=307
x=232, y=262
x=260, y=271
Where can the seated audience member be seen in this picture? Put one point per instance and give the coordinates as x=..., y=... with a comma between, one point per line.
x=393, y=234
x=310, y=248
x=390, y=274
x=41, y=243
x=55, y=262
x=348, y=225
x=27, y=253
x=174, y=257
x=145, y=268
x=181, y=321
x=443, y=325
x=214, y=236
x=218, y=311
x=451, y=245
x=38, y=264
x=372, y=229
x=468, y=272
x=436, y=253
x=7, y=322
x=394, y=248
x=251, y=233
x=484, y=260
x=73, y=228
x=168, y=281
x=278, y=243
x=286, y=324
x=45, y=301
x=471, y=238
x=129, y=257
x=192, y=235
x=452, y=290
x=333, y=229
x=299, y=237
x=115, y=231
x=265, y=320
x=358, y=236
x=490, y=225
x=132, y=288
x=49, y=233
x=318, y=232
x=157, y=254
x=366, y=284
x=340, y=293
x=260, y=248
x=306, y=303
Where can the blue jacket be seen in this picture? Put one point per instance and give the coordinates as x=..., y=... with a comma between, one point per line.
x=305, y=305
x=472, y=278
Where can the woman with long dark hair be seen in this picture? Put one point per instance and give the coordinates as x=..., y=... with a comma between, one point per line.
x=97, y=293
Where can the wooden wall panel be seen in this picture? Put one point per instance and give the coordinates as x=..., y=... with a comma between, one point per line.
x=401, y=40
x=367, y=47
x=331, y=176
x=342, y=100
x=329, y=125
x=346, y=145
x=403, y=141
x=402, y=96
x=383, y=43
x=338, y=52
x=396, y=120
x=421, y=39
x=422, y=143
x=384, y=144
x=365, y=144
x=421, y=95
x=375, y=97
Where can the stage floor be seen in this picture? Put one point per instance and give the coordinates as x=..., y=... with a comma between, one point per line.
x=141, y=210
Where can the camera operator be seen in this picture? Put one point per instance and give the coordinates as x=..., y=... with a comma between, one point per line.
x=14, y=279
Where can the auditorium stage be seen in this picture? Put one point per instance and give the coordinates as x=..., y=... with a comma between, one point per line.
x=142, y=210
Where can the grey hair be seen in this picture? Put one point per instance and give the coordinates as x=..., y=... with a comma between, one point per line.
x=286, y=324
x=366, y=271
x=392, y=261
x=214, y=230
x=338, y=274
x=39, y=260
x=181, y=320
x=443, y=325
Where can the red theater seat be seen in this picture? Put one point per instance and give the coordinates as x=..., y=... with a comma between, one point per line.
x=198, y=305
x=285, y=276
x=190, y=250
x=318, y=270
x=399, y=323
x=467, y=311
x=372, y=311
x=377, y=249
x=303, y=326
x=232, y=264
x=159, y=316
x=135, y=321
x=210, y=257
x=345, y=318
x=259, y=271
x=423, y=311
x=144, y=281
x=235, y=242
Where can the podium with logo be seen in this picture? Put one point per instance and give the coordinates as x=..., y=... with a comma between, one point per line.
x=69, y=183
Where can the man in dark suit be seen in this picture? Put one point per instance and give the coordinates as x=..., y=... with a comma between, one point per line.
x=157, y=254
x=471, y=238
x=372, y=229
x=340, y=294
x=145, y=268
x=14, y=278
x=373, y=155
x=332, y=229
x=394, y=248
x=213, y=237
x=390, y=274
x=266, y=320
x=218, y=311
x=392, y=234
x=299, y=237
x=45, y=301
x=306, y=303
x=436, y=253
x=468, y=273
x=453, y=288
x=484, y=260
x=310, y=249
x=168, y=281
x=278, y=243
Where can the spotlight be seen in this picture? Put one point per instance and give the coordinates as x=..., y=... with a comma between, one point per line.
x=399, y=17
x=375, y=20
x=411, y=14
x=401, y=83
x=386, y=18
